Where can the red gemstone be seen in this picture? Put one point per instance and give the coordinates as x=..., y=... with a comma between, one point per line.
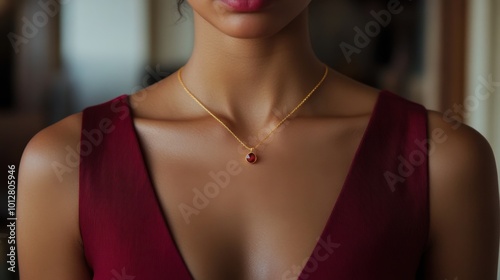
x=251, y=158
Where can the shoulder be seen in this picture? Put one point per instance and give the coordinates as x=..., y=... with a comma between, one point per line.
x=53, y=147
x=55, y=150
x=463, y=197
x=458, y=152
x=49, y=165
x=48, y=204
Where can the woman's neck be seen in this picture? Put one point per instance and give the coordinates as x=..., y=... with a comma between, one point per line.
x=246, y=80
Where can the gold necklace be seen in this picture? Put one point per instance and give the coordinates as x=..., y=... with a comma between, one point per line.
x=251, y=157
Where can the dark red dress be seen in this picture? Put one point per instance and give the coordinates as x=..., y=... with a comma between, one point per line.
x=378, y=228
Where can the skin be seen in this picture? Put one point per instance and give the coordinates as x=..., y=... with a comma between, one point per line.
x=255, y=63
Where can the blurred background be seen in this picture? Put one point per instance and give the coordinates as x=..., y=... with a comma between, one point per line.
x=59, y=56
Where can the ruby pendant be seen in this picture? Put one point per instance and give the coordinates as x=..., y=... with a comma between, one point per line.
x=251, y=158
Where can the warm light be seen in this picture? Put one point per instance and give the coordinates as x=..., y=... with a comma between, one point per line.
x=3, y=6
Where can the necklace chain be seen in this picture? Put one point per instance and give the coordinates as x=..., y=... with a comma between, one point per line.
x=179, y=76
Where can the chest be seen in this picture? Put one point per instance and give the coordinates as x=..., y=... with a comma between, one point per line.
x=235, y=220
x=183, y=202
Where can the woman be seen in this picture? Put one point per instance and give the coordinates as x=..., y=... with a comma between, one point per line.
x=203, y=176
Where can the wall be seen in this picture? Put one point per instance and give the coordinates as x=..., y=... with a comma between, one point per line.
x=105, y=46
x=482, y=102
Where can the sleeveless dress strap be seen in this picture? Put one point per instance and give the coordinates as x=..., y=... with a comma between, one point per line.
x=123, y=234
x=380, y=223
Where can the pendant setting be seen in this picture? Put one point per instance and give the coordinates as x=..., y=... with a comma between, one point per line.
x=251, y=158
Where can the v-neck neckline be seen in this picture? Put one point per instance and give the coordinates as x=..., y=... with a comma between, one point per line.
x=354, y=163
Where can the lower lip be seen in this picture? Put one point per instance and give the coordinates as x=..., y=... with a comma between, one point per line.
x=245, y=6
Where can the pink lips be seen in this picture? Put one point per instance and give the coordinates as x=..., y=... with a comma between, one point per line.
x=245, y=5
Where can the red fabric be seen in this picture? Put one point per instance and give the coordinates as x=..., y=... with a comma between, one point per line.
x=378, y=228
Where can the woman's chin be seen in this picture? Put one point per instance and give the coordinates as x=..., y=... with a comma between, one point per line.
x=248, y=29
x=249, y=19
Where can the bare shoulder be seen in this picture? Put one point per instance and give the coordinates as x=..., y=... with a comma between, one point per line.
x=46, y=144
x=464, y=203
x=461, y=155
x=462, y=144
x=52, y=153
x=48, y=204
